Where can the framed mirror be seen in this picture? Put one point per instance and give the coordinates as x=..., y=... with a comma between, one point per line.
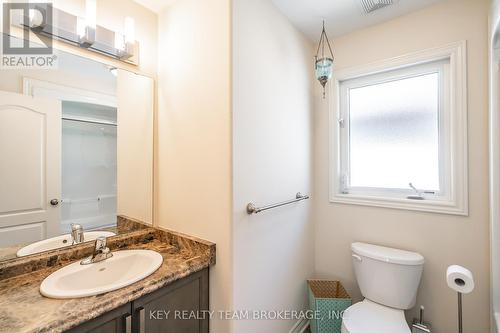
x=76, y=152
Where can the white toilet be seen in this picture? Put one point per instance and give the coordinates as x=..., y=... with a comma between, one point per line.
x=388, y=279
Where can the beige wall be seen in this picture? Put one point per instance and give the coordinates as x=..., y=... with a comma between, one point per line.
x=442, y=239
x=194, y=132
x=272, y=160
x=134, y=177
x=494, y=30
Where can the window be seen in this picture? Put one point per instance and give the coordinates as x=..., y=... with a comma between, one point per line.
x=401, y=133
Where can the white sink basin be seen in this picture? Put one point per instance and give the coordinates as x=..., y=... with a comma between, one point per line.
x=59, y=242
x=121, y=270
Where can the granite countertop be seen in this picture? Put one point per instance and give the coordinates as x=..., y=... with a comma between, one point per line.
x=23, y=309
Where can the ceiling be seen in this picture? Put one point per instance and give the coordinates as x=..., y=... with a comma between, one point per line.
x=155, y=5
x=341, y=16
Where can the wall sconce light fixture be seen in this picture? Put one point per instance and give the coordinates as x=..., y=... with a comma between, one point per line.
x=84, y=32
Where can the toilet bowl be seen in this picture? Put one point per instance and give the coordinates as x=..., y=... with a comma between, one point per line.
x=370, y=317
x=388, y=279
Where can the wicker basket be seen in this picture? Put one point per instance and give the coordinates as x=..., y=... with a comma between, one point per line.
x=328, y=300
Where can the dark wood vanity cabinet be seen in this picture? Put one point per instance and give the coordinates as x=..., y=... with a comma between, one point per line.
x=181, y=307
x=171, y=309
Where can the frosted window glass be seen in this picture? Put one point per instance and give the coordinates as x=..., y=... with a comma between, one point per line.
x=394, y=134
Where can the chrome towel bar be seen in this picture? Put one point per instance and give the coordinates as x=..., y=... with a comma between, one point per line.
x=252, y=209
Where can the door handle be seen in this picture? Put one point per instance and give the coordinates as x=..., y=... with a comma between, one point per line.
x=142, y=320
x=54, y=202
x=128, y=324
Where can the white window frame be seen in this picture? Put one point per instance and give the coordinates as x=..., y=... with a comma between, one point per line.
x=442, y=69
x=453, y=199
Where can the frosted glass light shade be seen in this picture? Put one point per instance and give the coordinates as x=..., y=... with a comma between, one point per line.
x=36, y=18
x=91, y=13
x=324, y=70
x=81, y=27
x=129, y=30
x=119, y=42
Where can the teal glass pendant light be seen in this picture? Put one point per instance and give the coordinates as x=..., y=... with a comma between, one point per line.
x=324, y=62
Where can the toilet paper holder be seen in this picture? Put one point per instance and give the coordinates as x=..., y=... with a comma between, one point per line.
x=461, y=280
x=419, y=326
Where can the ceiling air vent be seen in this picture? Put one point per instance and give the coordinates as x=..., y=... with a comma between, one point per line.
x=370, y=6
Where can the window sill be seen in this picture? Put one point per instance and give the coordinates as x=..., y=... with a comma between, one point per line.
x=428, y=205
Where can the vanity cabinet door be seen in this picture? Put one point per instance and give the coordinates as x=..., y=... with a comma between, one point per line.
x=161, y=311
x=115, y=321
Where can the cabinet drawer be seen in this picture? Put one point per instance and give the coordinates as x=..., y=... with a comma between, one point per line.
x=115, y=321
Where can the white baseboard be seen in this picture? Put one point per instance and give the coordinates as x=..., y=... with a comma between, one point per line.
x=300, y=326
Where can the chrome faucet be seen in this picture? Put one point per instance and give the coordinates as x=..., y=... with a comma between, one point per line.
x=77, y=233
x=101, y=252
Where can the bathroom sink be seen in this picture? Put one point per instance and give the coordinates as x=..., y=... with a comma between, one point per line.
x=59, y=242
x=121, y=270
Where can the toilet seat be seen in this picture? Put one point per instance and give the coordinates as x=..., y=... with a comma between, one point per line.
x=370, y=317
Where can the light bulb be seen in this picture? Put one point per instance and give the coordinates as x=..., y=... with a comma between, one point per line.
x=119, y=42
x=129, y=30
x=80, y=27
x=36, y=18
x=91, y=13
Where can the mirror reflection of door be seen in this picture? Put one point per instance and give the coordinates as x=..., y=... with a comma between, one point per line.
x=88, y=151
x=30, y=173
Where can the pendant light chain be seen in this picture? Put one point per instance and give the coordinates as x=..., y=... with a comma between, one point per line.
x=321, y=44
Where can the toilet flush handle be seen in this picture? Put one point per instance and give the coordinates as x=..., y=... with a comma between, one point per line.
x=358, y=258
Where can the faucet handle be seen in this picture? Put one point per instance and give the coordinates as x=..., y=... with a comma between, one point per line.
x=100, y=243
x=76, y=226
x=77, y=233
x=101, y=252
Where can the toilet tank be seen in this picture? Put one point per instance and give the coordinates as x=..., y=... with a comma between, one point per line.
x=387, y=276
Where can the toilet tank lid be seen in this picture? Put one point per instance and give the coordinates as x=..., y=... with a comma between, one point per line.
x=387, y=254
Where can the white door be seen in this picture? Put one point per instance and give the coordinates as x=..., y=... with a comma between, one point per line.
x=30, y=168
